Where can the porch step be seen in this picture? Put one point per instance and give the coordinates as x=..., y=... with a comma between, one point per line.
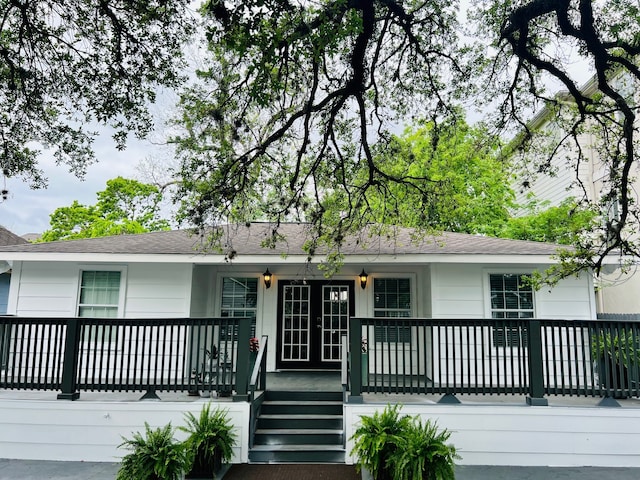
x=299, y=427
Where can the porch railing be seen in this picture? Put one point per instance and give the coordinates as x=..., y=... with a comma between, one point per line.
x=529, y=357
x=125, y=355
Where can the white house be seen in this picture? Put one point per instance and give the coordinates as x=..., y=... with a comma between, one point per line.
x=167, y=275
x=453, y=290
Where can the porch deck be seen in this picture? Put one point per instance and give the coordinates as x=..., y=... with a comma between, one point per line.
x=325, y=381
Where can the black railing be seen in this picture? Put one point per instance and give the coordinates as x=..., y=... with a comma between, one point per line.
x=511, y=356
x=124, y=355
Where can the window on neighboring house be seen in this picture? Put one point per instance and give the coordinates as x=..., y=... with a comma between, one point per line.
x=392, y=298
x=511, y=298
x=239, y=300
x=99, y=298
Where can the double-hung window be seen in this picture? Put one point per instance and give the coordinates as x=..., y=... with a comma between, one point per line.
x=392, y=298
x=99, y=298
x=239, y=300
x=511, y=298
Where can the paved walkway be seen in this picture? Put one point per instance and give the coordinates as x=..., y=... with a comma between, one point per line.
x=42, y=470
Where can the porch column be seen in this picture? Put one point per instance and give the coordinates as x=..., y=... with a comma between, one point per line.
x=536, y=376
x=70, y=363
x=355, y=356
x=242, y=363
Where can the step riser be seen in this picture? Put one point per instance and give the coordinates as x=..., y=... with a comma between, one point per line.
x=304, y=396
x=298, y=424
x=299, y=439
x=316, y=409
x=296, y=457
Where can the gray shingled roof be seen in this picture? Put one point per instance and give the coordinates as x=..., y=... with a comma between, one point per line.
x=10, y=238
x=246, y=240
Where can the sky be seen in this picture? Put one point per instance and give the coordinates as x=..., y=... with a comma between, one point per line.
x=27, y=211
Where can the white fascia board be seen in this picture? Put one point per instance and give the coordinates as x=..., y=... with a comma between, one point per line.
x=204, y=259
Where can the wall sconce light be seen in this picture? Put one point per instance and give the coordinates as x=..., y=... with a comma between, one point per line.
x=267, y=278
x=363, y=278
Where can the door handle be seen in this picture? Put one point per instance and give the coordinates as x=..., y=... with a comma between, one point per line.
x=319, y=322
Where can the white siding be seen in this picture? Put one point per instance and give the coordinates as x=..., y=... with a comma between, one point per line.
x=155, y=290
x=528, y=436
x=457, y=291
x=92, y=430
x=152, y=290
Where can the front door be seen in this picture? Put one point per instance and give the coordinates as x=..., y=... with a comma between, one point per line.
x=312, y=318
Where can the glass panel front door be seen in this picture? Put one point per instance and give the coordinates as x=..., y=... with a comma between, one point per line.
x=312, y=318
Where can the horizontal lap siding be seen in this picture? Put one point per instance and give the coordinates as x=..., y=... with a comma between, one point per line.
x=51, y=289
x=158, y=291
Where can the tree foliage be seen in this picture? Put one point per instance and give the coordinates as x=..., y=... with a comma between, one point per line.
x=563, y=224
x=125, y=206
x=537, y=40
x=297, y=95
x=68, y=64
x=467, y=188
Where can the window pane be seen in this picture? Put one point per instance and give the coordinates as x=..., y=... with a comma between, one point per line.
x=511, y=298
x=240, y=298
x=392, y=298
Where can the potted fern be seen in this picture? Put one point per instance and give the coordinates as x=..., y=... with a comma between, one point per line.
x=210, y=441
x=377, y=438
x=424, y=454
x=393, y=447
x=155, y=456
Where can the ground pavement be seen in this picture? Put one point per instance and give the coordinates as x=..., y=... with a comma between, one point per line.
x=44, y=470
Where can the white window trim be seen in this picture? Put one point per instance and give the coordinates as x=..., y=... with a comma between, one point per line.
x=218, y=289
x=486, y=295
x=104, y=268
x=414, y=297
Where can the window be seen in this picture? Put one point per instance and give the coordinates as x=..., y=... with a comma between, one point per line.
x=511, y=298
x=99, y=298
x=392, y=298
x=99, y=294
x=239, y=300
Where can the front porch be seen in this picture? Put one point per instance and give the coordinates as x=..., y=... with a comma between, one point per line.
x=516, y=407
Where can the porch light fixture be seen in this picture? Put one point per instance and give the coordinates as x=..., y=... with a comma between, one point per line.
x=363, y=278
x=267, y=278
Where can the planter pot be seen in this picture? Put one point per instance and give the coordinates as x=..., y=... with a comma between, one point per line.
x=204, y=469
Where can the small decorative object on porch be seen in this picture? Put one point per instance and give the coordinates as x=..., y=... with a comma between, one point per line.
x=156, y=456
x=210, y=441
x=393, y=447
x=254, y=345
x=364, y=347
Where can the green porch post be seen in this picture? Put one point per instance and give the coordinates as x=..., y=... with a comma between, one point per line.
x=242, y=363
x=355, y=356
x=70, y=362
x=536, y=376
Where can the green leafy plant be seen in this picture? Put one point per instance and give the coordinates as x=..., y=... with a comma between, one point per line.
x=620, y=346
x=377, y=438
x=211, y=438
x=424, y=454
x=156, y=456
x=395, y=447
